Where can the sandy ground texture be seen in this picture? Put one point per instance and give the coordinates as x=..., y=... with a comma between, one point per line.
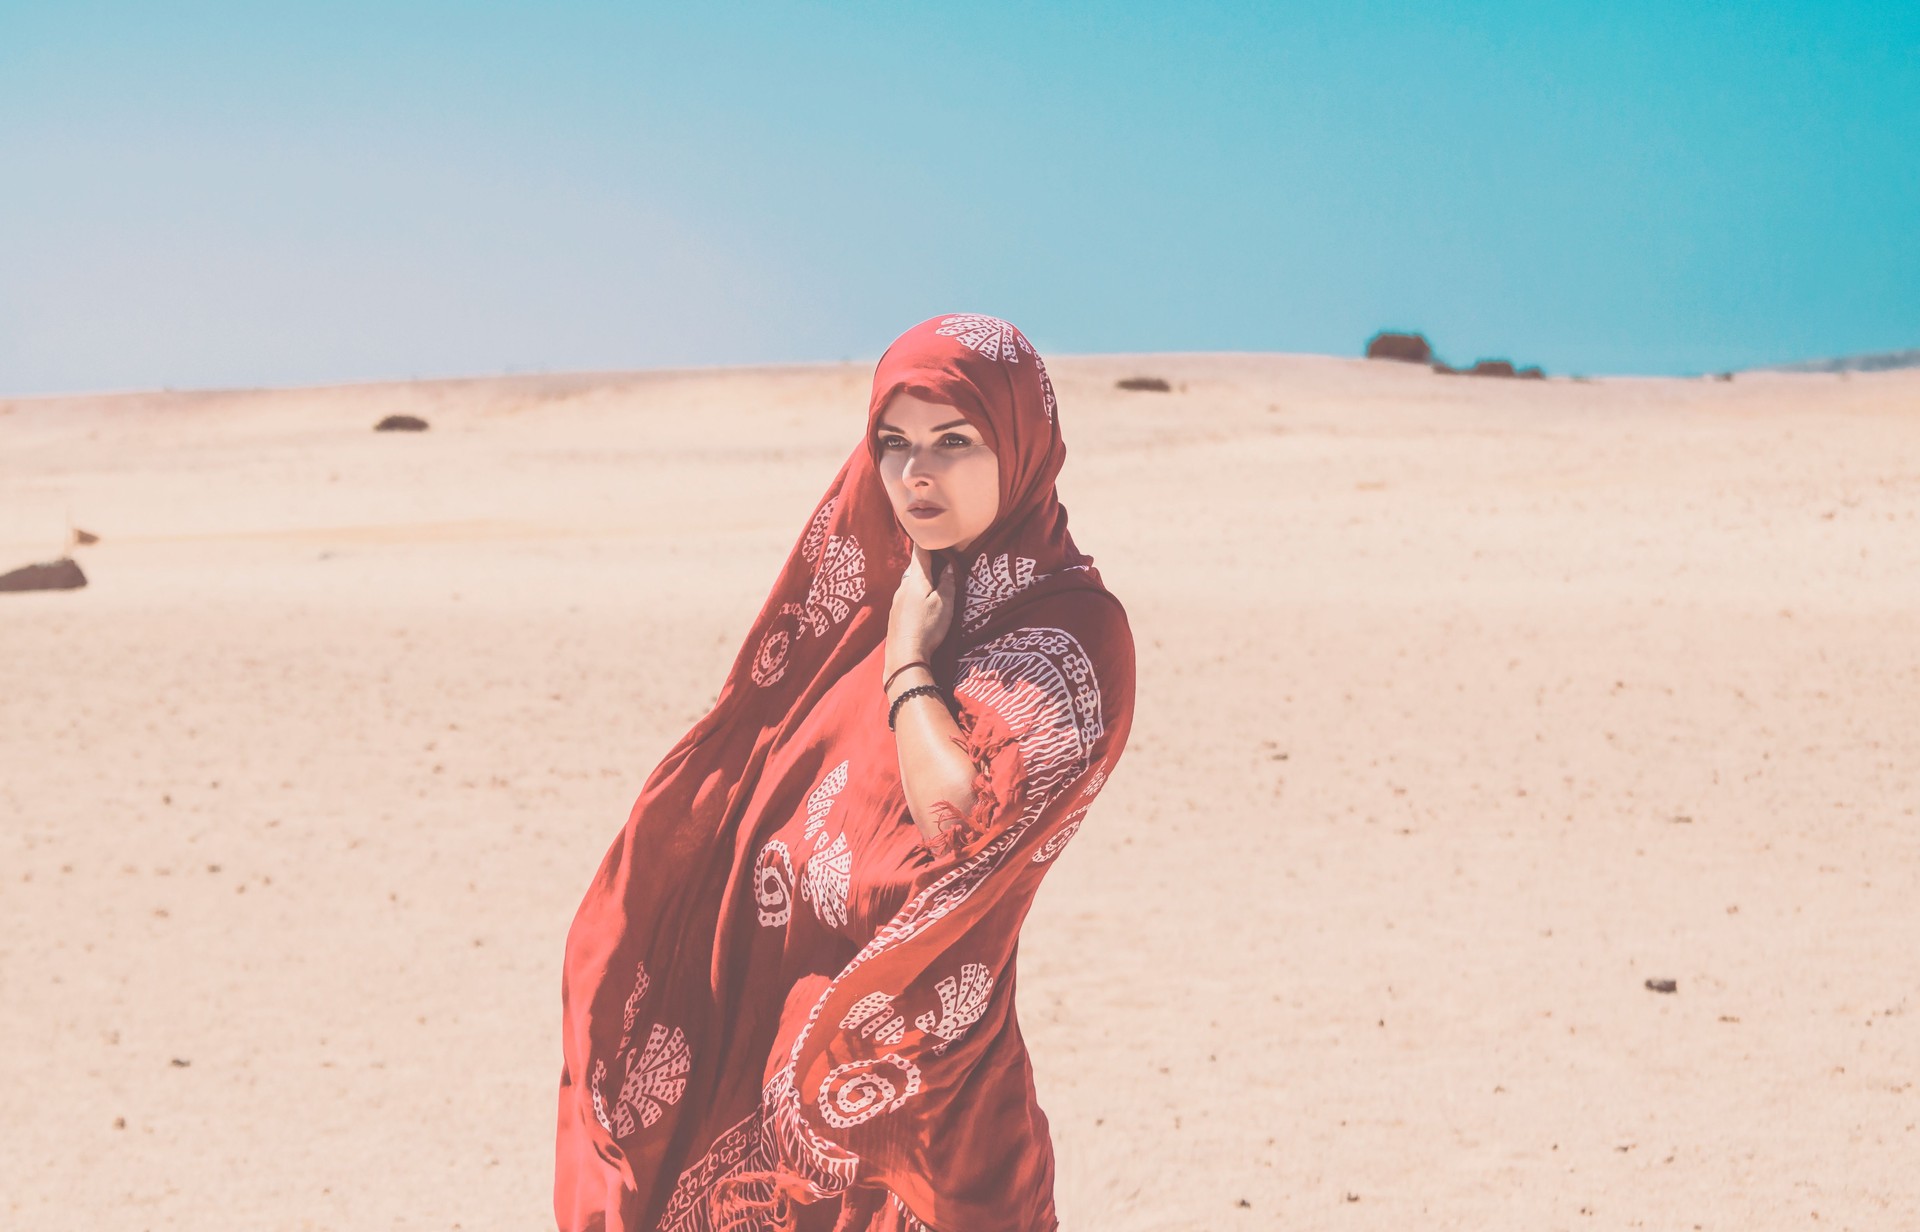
x=1466, y=708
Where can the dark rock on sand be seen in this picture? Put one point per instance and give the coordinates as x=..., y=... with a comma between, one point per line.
x=1151, y=384
x=1407, y=348
x=1494, y=367
x=401, y=423
x=84, y=537
x=62, y=574
x=1663, y=985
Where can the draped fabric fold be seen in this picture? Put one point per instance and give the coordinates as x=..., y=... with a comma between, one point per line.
x=782, y=1008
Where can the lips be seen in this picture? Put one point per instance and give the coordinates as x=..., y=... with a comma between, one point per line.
x=925, y=509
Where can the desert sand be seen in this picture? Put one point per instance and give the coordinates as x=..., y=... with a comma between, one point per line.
x=1466, y=708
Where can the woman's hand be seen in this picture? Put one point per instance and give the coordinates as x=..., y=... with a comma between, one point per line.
x=922, y=611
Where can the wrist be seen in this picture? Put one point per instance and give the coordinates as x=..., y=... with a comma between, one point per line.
x=907, y=673
x=910, y=694
x=901, y=655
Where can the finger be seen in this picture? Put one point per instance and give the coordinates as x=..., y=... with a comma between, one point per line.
x=923, y=561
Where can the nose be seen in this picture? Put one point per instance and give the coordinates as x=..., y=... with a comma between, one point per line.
x=915, y=467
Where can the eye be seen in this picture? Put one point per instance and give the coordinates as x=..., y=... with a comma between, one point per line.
x=955, y=440
x=890, y=440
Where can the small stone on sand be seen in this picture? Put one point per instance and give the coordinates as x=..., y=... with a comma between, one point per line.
x=62, y=574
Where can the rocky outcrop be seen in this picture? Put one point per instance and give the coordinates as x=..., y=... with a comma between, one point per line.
x=1415, y=349
x=62, y=574
x=1493, y=367
x=1407, y=348
x=1151, y=384
x=401, y=423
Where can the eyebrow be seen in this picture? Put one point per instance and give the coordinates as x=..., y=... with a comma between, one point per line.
x=958, y=423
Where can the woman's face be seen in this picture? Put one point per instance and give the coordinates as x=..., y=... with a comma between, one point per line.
x=943, y=480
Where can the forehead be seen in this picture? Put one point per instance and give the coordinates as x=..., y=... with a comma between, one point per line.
x=911, y=412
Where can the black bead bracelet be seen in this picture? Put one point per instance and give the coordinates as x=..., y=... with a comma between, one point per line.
x=893, y=711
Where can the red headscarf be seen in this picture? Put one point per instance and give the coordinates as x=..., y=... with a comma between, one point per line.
x=781, y=1007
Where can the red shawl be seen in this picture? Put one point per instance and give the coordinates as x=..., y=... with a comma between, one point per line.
x=783, y=1009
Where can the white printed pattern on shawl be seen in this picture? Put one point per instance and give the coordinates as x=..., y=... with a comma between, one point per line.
x=992, y=580
x=820, y=803
x=908, y=1222
x=992, y=337
x=828, y=881
x=655, y=1080
x=963, y=999
x=1055, y=749
x=873, y=1015
x=1058, y=839
x=742, y=1148
x=773, y=884
x=1071, y=825
x=997, y=339
x=640, y=985
x=817, y=531
x=1040, y=682
x=641, y=982
x=861, y=1090
x=839, y=582
x=594, y=1082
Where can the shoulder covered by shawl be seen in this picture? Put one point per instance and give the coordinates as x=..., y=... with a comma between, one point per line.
x=1042, y=698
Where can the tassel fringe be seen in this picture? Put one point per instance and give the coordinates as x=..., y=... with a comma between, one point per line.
x=735, y=1206
x=963, y=837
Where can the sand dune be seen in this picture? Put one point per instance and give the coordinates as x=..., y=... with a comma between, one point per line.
x=1465, y=708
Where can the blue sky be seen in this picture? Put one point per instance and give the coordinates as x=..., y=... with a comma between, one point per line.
x=246, y=194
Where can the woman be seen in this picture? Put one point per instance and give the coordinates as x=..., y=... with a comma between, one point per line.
x=788, y=994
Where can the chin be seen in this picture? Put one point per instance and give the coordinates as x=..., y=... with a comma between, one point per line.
x=932, y=540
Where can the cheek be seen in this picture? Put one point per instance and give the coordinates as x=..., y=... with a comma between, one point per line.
x=983, y=488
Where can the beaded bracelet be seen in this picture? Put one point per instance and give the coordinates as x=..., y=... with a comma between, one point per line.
x=893, y=711
x=888, y=682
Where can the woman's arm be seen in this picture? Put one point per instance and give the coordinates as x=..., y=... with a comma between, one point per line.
x=935, y=771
